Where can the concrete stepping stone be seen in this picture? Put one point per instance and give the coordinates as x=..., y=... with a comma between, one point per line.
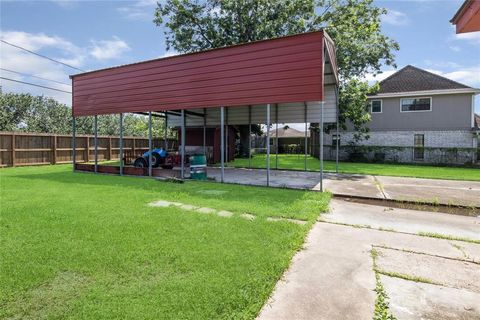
x=224, y=213
x=176, y=204
x=247, y=216
x=206, y=210
x=160, y=203
x=188, y=207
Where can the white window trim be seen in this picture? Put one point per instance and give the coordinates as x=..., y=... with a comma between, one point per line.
x=431, y=104
x=381, y=105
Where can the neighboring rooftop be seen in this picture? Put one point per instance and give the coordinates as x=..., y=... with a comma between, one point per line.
x=410, y=79
x=289, y=133
x=476, y=120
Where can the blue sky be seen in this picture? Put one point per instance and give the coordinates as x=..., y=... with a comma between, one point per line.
x=97, y=34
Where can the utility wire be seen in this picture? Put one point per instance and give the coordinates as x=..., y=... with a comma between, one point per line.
x=33, y=76
x=40, y=55
x=35, y=85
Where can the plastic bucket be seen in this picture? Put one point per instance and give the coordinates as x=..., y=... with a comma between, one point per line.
x=198, y=167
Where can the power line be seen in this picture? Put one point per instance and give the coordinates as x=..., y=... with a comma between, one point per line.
x=40, y=55
x=35, y=85
x=33, y=76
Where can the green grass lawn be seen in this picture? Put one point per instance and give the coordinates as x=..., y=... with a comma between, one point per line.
x=296, y=162
x=85, y=246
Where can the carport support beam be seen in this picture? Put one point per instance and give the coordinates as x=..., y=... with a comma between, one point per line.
x=95, y=140
x=74, y=142
x=338, y=134
x=205, y=132
x=320, y=153
x=249, y=137
x=121, y=144
x=276, y=137
x=182, y=172
x=226, y=136
x=150, y=143
x=306, y=139
x=268, y=145
x=222, y=143
x=165, y=139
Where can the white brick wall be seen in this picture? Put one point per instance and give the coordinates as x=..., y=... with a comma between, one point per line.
x=433, y=139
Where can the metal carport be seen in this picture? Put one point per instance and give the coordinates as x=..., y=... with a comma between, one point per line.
x=294, y=76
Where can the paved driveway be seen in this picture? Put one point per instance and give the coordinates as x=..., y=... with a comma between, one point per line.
x=447, y=192
x=424, y=277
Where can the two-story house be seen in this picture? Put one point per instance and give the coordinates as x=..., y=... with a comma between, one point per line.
x=418, y=116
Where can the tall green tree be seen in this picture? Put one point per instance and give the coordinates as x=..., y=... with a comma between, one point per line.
x=354, y=25
x=27, y=113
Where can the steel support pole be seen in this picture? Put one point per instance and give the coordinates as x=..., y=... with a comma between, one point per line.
x=95, y=141
x=268, y=145
x=276, y=137
x=306, y=137
x=249, y=137
x=222, y=143
x=121, y=144
x=226, y=135
x=204, y=132
x=74, y=143
x=321, y=146
x=338, y=133
x=150, y=143
x=183, y=145
x=166, y=133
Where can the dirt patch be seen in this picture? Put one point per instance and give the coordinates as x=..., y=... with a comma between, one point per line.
x=51, y=299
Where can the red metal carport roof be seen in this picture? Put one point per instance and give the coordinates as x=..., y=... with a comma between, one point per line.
x=467, y=18
x=281, y=70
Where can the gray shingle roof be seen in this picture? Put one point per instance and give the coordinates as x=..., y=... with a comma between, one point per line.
x=411, y=79
x=289, y=133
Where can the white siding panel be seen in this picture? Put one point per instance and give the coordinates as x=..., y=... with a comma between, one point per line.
x=287, y=113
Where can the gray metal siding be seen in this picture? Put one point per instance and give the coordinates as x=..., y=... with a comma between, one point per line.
x=448, y=112
x=287, y=113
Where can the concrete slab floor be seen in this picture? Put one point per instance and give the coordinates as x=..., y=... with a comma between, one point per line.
x=447, y=272
x=448, y=192
x=414, y=300
x=333, y=277
x=465, y=193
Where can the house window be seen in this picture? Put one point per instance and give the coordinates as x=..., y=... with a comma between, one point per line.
x=418, y=147
x=376, y=106
x=335, y=138
x=415, y=104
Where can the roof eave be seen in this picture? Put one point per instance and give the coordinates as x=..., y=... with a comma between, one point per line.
x=425, y=92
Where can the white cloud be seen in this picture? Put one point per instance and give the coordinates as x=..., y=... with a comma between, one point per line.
x=379, y=77
x=469, y=76
x=396, y=18
x=65, y=3
x=472, y=37
x=52, y=46
x=108, y=49
x=442, y=64
x=15, y=59
x=138, y=10
x=455, y=48
x=169, y=54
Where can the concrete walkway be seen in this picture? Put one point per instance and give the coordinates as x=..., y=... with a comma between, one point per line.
x=448, y=192
x=334, y=277
x=402, y=220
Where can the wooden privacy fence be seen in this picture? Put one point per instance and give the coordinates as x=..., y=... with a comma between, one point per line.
x=25, y=149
